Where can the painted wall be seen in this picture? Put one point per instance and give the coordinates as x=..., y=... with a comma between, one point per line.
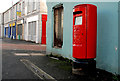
x=119, y=39
x=107, y=55
x=107, y=37
x=1, y=25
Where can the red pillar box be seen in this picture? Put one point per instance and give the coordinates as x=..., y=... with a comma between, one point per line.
x=44, y=19
x=84, y=31
x=84, y=35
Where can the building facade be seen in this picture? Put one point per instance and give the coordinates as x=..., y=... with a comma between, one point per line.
x=23, y=21
x=60, y=32
x=6, y=24
x=1, y=26
x=33, y=20
x=10, y=22
x=20, y=19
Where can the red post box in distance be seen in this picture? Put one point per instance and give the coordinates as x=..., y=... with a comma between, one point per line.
x=84, y=32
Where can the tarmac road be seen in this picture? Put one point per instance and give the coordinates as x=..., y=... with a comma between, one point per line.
x=13, y=51
x=12, y=67
x=23, y=60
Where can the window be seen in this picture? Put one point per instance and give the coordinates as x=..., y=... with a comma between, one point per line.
x=19, y=29
x=9, y=15
x=20, y=7
x=58, y=26
x=13, y=12
x=7, y=31
x=13, y=31
x=23, y=8
x=34, y=4
x=29, y=25
x=28, y=6
x=32, y=28
x=78, y=20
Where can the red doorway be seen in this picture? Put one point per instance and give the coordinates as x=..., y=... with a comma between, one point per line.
x=43, y=38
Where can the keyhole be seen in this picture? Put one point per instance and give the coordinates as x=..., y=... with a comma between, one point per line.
x=82, y=33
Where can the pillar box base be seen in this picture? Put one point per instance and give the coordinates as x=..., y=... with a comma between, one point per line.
x=84, y=67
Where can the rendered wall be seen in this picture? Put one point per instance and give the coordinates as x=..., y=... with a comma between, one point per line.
x=119, y=38
x=107, y=33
